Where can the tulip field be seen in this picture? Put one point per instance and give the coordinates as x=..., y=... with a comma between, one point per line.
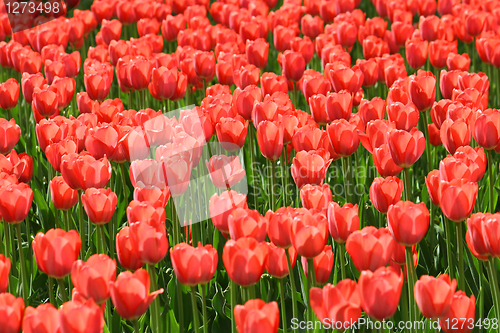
x=250, y=166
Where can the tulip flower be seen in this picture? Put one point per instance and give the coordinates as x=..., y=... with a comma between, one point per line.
x=83, y=171
x=194, y=265
x=4, y=273
x=380, y=292
x=406, y=147
x=454, y=134
x=404, y=117
x=270, y=139
x=244, y=222
x=370, y=248
x=462, y=311
x=344, y=137
x=310, y=167
x=99, y=204
x=316, y=196
x=280, y=227
x=130, y=294
x=9, y=94
x=293, y=65
x=153, y=195
x=457, y=198
x=56, y=251
x=408, y=222
x=225, y=172
x=92, y=277
x=149, y=240
x=385, y=192
x=127, y=257
x=384, y=163
x=434, y=295
x=43, y=318
x=11, y=312
x=323, y=265
x=256, y=315
x=244, y=260
x=10, y=134
x=340, y=305
x=309, y=233
x=231, y=133
x=15, y=202
x=257, y=52
x=342, y=221
x=339, y=105
x=277, y=262
x=221, y=207
x=90, y=318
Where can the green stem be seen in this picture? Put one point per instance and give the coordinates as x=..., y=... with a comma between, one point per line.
x=66, y=220
x=196, y=321
x=471, y=53
x=233, y=292
x=204, y=308
x=451, y=268
x=345, y=171
x=273, y=199
x=102, y=236
x=494, y=285
x=411, y=283
x=311, y=282
x=62, y=288
x=285, y=176
x=51, y=291
x=153, y=312
x=460, y=245
x=406, y=184
x=427, y=142
x=22, y=263
x=295, y=311
x=492, y=181
x=283, y=307
x=342, y=260
x=135, y=323
x=252, y=160
x=82, y=226
x=181, y=305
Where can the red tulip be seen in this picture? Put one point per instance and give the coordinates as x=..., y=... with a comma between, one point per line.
x=130, y=294
x=344, y=78
x=454, y=134
x=89, y=314
x=308, y=138
x=83, y=171
x=257, y=52
x=15, y=202
x=416, y=52
x=338, y=305
x=56, y=251
x=99, y=204
x=309, y=233
x=408, y=222
x=9, y=94
x=204, y=65
x=380, y=292
x=244, y=100
x=29, y=82
x=149, y=240
x=316, y=197
x=293, y=65
x=372, y=109
x=434, y=295
x=257, y=316
x=127, y=257
x=245, y=76
x=171, y=26
x=153, y=195
x=404, y=117
x=462, y=312
x=221, y=206
x=97, y=85
x=457, y=198
x=343, y=137
x=406, y=147
x=4, y=273
x=280, y=227
x=10, y=134
x=370, y=248
x=277, y=262
x=244, y=222
x=225, y=172
x=194, y=265
x=245, y=260
x=459, y=62
x=44, y=319
x=323, y=265
x=339, y=105
x=439, y=50
x=267, y=110
x=270, y=139
x=486, y=129
x=45, y=103
x=342, y=221
x=310, y=167
x=423, y=92
x=92, y=278
x=232, y=132
x=11, y=313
